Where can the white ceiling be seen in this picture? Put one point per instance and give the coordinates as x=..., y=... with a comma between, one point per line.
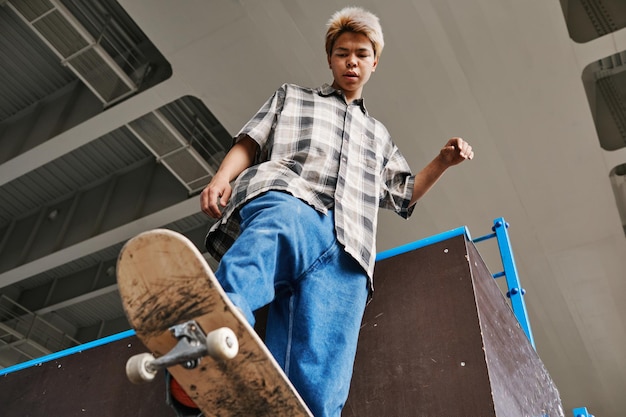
x=503, y=74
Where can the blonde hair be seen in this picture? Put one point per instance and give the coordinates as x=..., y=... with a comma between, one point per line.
x=357, y=20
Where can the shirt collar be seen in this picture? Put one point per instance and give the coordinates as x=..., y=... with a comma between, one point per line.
x=327, y=90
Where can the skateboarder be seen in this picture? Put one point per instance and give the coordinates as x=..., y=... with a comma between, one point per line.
x=297, y=229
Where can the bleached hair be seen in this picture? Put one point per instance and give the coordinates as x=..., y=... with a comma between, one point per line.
x=357, y=20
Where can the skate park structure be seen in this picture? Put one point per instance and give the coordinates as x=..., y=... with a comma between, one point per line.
x=439, y=338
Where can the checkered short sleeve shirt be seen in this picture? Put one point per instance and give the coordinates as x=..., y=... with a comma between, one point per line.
x=328, y=153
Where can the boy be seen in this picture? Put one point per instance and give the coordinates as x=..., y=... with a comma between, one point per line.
x=297, y=229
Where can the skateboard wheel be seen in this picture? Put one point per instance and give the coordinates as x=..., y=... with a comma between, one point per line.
x=222, y=343
x=137, y=368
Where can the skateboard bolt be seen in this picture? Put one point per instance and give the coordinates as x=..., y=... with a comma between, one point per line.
x=229, y=342
x=190, y=364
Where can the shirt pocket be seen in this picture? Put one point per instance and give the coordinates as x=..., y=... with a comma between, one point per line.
x=369, y=154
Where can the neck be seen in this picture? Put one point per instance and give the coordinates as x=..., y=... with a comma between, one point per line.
x=349, y=95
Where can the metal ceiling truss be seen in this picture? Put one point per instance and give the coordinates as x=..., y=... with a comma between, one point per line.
x=27, y=334
x=80, y=51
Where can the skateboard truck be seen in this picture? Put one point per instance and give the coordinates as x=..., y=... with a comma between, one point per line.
x=192, y=345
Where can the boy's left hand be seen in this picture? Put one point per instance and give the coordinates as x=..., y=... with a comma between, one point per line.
x=456, y=151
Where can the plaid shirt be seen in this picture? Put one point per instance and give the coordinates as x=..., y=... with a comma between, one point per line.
x=329, y=154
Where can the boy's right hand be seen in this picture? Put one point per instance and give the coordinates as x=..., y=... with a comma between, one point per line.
x=215, y=196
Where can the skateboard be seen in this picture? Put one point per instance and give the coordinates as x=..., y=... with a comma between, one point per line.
x=184, y=318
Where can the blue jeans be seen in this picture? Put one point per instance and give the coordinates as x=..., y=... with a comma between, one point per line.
x=288, y=256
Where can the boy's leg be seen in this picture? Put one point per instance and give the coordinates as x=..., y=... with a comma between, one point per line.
x=313, y=325
x=279, y=239
x=313, y=329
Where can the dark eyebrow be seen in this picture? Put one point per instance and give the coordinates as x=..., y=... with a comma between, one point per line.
x=358, y=50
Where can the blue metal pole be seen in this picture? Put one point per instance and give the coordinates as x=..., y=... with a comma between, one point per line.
x=69, y=351
x=581, y=412
x=516, y=292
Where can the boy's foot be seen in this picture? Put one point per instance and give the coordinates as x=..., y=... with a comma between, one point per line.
x=179, y=394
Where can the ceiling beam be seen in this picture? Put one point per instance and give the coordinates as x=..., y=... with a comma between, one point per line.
x=112, y=237
x=92, y=129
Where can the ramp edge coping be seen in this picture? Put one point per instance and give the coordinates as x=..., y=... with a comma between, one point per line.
x=67, y=352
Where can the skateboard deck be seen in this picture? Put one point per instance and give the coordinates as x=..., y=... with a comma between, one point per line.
x=164, y=281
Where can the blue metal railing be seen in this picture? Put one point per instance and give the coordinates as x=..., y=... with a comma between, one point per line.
x=515, y=291
x=67, y=352
x=581, y=412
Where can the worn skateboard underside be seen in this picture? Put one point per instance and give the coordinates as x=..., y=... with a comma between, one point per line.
x=163, y=281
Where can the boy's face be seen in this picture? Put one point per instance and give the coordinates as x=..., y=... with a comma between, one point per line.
x=352, y=61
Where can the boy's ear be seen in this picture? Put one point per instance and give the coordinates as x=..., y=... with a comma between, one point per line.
x=375, y=64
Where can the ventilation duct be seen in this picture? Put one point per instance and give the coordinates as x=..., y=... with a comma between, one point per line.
x=77, y=48
x=185, y=158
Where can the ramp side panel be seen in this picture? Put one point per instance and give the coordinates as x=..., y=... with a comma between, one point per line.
x=520, y=382
x=91, y=383
x=439, y=339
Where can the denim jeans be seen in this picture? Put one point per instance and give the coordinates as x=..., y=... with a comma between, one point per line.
x=287, y=256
